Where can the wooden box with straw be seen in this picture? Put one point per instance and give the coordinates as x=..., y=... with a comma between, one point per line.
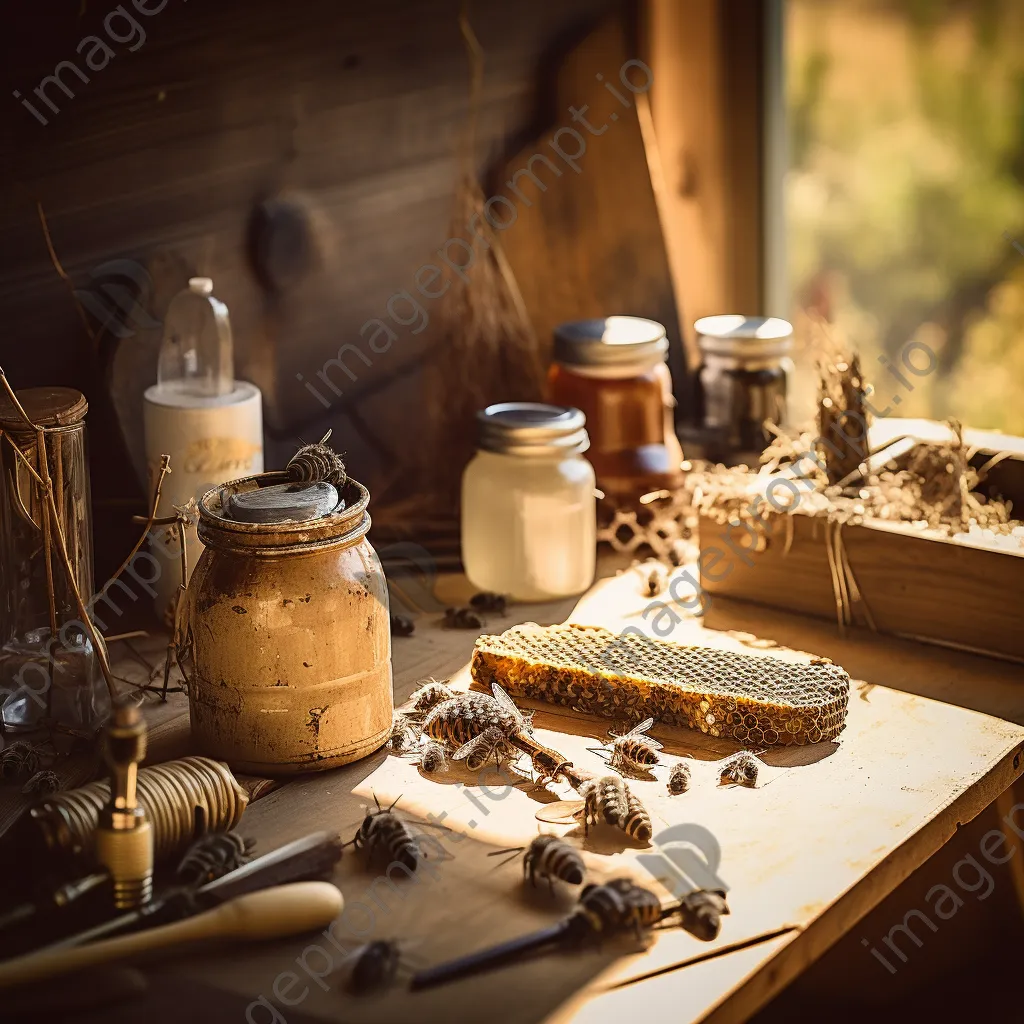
x=915, y=537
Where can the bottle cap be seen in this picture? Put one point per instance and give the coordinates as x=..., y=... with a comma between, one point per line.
x=611, y=341
x=529, y=428
x=744, y=339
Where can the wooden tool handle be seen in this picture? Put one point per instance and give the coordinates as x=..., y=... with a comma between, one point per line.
x=271, y=913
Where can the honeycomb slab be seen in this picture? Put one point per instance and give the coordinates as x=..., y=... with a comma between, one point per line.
x=756, y=700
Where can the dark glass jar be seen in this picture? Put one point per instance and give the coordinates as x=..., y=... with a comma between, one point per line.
x=743, y=384
x=614, y=370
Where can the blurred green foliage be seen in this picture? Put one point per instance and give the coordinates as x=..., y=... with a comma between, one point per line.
x=906, y=122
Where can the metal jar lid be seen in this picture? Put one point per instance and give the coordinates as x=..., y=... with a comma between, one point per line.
x=46, y=407
x=611, y=341
x=529, y=428
x=745, y=340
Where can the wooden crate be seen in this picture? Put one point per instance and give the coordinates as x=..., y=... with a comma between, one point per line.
x=931, y=589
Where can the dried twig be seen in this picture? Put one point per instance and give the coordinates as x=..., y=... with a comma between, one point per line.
x=24, y=459
x=126, y=636
x=175, y=644
x=165, y=468
x=63, y=274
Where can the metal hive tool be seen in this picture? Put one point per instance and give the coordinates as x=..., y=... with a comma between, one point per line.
x=758, y=701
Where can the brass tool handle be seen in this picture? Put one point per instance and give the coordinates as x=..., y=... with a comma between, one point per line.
x=128, y=857
x=272, y=913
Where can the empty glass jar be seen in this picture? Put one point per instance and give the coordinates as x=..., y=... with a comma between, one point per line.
x=528, y=506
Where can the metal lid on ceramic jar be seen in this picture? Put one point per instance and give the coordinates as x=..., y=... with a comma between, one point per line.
x=745, y=339
x=611, y=341
x=530, y=428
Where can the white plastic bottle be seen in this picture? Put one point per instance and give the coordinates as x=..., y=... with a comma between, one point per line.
x=210, y=424
x=529, y=512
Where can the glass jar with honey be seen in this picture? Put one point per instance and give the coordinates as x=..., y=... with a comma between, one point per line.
x=614, y=370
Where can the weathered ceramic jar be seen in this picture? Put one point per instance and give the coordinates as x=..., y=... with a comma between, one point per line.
x=290, y=635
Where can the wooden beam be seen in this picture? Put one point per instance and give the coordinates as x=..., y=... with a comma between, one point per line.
x=707, y=107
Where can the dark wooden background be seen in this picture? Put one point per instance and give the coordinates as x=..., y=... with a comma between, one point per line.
x=353, y=111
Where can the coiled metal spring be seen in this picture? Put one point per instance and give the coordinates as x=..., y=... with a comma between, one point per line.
x=169, y=793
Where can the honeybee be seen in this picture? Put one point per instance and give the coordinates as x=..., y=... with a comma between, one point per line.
x=603, y=800
x=212, y=856
x=402, y=625
x=551, y=858
x=618, y=905
x=679, y=779
x=635, y=751
x=461, y=618
x=19, y=760
x=317, y=462
x=524, y=719
x=741, y=769
x=491, y=742
x=601, y=909
x=402, y=736
x=486, y=601
x=638, y=822
x=43, y=783
x=386, y=838
x=654, y=580
x=455, y=722
x=375, y=965
x=432, y=758
x=700, y=913
x=431, y=694
x=644, y=909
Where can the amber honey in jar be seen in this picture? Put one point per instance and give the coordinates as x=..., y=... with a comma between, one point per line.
x=614, y=370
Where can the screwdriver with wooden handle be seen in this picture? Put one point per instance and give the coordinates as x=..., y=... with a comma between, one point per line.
x=268, y=914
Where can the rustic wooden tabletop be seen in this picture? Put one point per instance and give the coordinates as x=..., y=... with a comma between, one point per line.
x=933, y=737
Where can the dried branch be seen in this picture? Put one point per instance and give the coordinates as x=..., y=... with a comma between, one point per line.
x=165, y=468
x=97, y=638
x=21, y=455
x=44, y=472
x=62, y=273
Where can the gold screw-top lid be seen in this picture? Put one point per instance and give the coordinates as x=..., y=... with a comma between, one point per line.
x=611, y=341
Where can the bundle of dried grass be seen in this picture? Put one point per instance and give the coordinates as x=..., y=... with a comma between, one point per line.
x=842, y=418
x=487, y=350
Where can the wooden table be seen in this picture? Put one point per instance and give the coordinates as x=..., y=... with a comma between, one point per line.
x=933, y=738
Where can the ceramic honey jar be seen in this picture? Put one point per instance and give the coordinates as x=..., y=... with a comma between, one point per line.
x=290, y=638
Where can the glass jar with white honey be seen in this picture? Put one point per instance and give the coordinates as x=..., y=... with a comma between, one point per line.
x=528, y=505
